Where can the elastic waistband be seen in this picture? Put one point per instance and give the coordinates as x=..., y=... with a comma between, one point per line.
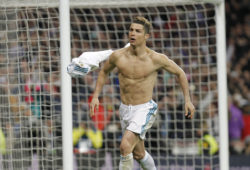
x=136, y=106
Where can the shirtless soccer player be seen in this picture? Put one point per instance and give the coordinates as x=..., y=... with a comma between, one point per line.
x=137, y=67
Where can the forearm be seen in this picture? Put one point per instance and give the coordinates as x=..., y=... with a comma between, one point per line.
x=100, y=83
x=184, y=85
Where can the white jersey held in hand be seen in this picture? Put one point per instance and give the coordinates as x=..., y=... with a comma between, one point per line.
x=87, y=62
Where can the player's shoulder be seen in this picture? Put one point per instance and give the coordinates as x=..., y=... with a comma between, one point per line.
x=156, y=56
x=119, y=51
x=117, y=54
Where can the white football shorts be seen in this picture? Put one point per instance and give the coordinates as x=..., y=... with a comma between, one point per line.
x=138, y=118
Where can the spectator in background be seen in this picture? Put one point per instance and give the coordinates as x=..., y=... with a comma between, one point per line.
x=238, y=57
x=246, y=130
x=4, y=109
x=19, y=127
x=86, y=137
x=88, y=141
x=236, y=125
x=207, y=144
x=2, y=143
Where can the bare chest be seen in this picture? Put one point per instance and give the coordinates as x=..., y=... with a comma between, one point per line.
x=136, y=68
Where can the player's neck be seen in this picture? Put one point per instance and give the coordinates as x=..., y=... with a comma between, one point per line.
x=138, y=50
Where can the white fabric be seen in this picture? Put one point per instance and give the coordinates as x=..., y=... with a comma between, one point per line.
x=147, y=163
x=126, y=162
x=75, y=70
x=92, y=58
x=138, y=118
x=87, y=62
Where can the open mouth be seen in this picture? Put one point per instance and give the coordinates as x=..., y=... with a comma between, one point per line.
x=132, y=39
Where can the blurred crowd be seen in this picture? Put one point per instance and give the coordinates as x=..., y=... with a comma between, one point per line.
x=238, y=74
x=30, y=82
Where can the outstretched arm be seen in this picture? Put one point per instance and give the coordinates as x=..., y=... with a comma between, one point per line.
x=173, y=68
x=88, y=61
x=103, y=74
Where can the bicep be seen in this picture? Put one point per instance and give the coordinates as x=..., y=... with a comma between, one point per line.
x=170, y=66
x=109, y=65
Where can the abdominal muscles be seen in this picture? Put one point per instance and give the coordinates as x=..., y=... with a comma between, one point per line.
x=136, y=90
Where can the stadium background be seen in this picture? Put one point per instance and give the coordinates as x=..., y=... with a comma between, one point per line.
x=238, y=54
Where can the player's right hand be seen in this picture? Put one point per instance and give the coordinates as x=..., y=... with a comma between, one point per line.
x=94, y=105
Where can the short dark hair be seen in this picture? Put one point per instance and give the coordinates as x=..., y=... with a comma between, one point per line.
x=143, y=21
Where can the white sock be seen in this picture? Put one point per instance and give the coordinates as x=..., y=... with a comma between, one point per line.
x=147, y=162
x=126, y=162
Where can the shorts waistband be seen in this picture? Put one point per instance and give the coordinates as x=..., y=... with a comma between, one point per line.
x=136, y=106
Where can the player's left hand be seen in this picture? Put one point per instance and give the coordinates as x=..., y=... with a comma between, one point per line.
x=189, y=109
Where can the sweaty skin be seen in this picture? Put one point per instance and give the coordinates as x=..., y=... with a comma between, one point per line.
x=137, y=69
x=137, y=76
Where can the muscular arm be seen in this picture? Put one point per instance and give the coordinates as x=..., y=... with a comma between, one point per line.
x=103, y=74
x=173, y=68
